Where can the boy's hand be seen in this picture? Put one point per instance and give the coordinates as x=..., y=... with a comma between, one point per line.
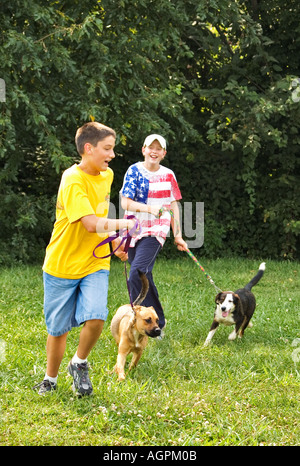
x=120, y=252
x=121, y=255
x=133, y=224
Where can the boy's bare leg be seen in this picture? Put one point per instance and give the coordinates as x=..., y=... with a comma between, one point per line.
x=56, y=346
x=55, y=350
x=89, y=336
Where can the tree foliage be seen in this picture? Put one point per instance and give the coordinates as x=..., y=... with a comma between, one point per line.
x=218, y=78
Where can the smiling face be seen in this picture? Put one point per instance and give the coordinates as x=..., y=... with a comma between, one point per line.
x=96, y=158
x=153, y=154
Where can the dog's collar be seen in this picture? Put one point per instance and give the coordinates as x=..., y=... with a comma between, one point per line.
x=134, y=316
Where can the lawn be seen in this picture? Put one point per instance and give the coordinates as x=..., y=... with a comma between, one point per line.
x=244, y=392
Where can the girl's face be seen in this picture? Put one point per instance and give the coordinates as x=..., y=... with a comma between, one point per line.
x=153, y=154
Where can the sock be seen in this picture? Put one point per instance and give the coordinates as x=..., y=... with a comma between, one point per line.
x=77, y=360
x=51, y=379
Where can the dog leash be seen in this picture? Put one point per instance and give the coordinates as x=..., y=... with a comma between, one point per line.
x=201, y=268
x=126, y=238
x=166, y=209
x=128, y=289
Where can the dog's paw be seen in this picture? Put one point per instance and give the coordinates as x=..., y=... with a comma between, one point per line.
x=232, y=336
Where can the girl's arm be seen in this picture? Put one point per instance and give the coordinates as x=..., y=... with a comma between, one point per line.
x=133, y=206
x=175, y=224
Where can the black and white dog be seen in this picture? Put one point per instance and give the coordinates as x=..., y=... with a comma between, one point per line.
x=235, y=308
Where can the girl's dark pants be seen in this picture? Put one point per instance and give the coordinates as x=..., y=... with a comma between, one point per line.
x=142, y=257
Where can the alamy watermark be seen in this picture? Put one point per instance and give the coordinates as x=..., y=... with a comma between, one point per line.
x=2, y=90
x=296, y=90
x=191, y=220
x=2, y=351
x=296, y=352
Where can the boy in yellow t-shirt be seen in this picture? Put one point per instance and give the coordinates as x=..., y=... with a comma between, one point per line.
x=75, y=282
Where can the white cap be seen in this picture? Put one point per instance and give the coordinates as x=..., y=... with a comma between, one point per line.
x=149, y=139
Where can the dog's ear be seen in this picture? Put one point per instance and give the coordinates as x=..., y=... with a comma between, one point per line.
x=137, y=309
x=218, y=297
x=236, y=298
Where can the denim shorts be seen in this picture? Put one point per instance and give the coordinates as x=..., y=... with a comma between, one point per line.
x=69, y=303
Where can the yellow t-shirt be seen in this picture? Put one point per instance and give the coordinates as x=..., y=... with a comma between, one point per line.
x=70, y=250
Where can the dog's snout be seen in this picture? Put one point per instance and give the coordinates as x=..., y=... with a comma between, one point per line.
x=223, y=308
x=155, y=332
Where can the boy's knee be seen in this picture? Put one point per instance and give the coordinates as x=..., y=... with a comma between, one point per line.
x=94, y=324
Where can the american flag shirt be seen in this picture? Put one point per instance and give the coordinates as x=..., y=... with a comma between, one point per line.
x=158, y=188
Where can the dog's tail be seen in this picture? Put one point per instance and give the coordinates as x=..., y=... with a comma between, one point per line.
x=257, y=277
x=144, y=290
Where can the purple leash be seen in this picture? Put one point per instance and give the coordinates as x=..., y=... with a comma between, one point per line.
x=125, y=239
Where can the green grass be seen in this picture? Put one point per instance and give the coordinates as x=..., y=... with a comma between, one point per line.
x=244, y=392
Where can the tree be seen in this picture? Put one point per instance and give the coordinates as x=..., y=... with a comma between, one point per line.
x=216, y=78
x=242, y=82
x=65, y=63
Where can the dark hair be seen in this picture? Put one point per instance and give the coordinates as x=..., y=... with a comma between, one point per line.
x=92, y=132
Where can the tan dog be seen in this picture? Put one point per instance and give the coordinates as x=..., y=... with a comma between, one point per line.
x=131, y=329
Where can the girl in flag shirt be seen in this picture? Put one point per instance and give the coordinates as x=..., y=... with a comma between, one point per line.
x=150, y=192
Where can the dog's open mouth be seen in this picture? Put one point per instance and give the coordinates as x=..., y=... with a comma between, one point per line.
x=225, y=313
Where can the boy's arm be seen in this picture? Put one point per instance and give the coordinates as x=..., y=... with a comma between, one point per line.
x=133, y=206
x=94, y=224
x=175, y=224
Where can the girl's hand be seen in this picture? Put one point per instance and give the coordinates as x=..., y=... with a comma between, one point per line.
x=155, y=210
x=180, y=243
